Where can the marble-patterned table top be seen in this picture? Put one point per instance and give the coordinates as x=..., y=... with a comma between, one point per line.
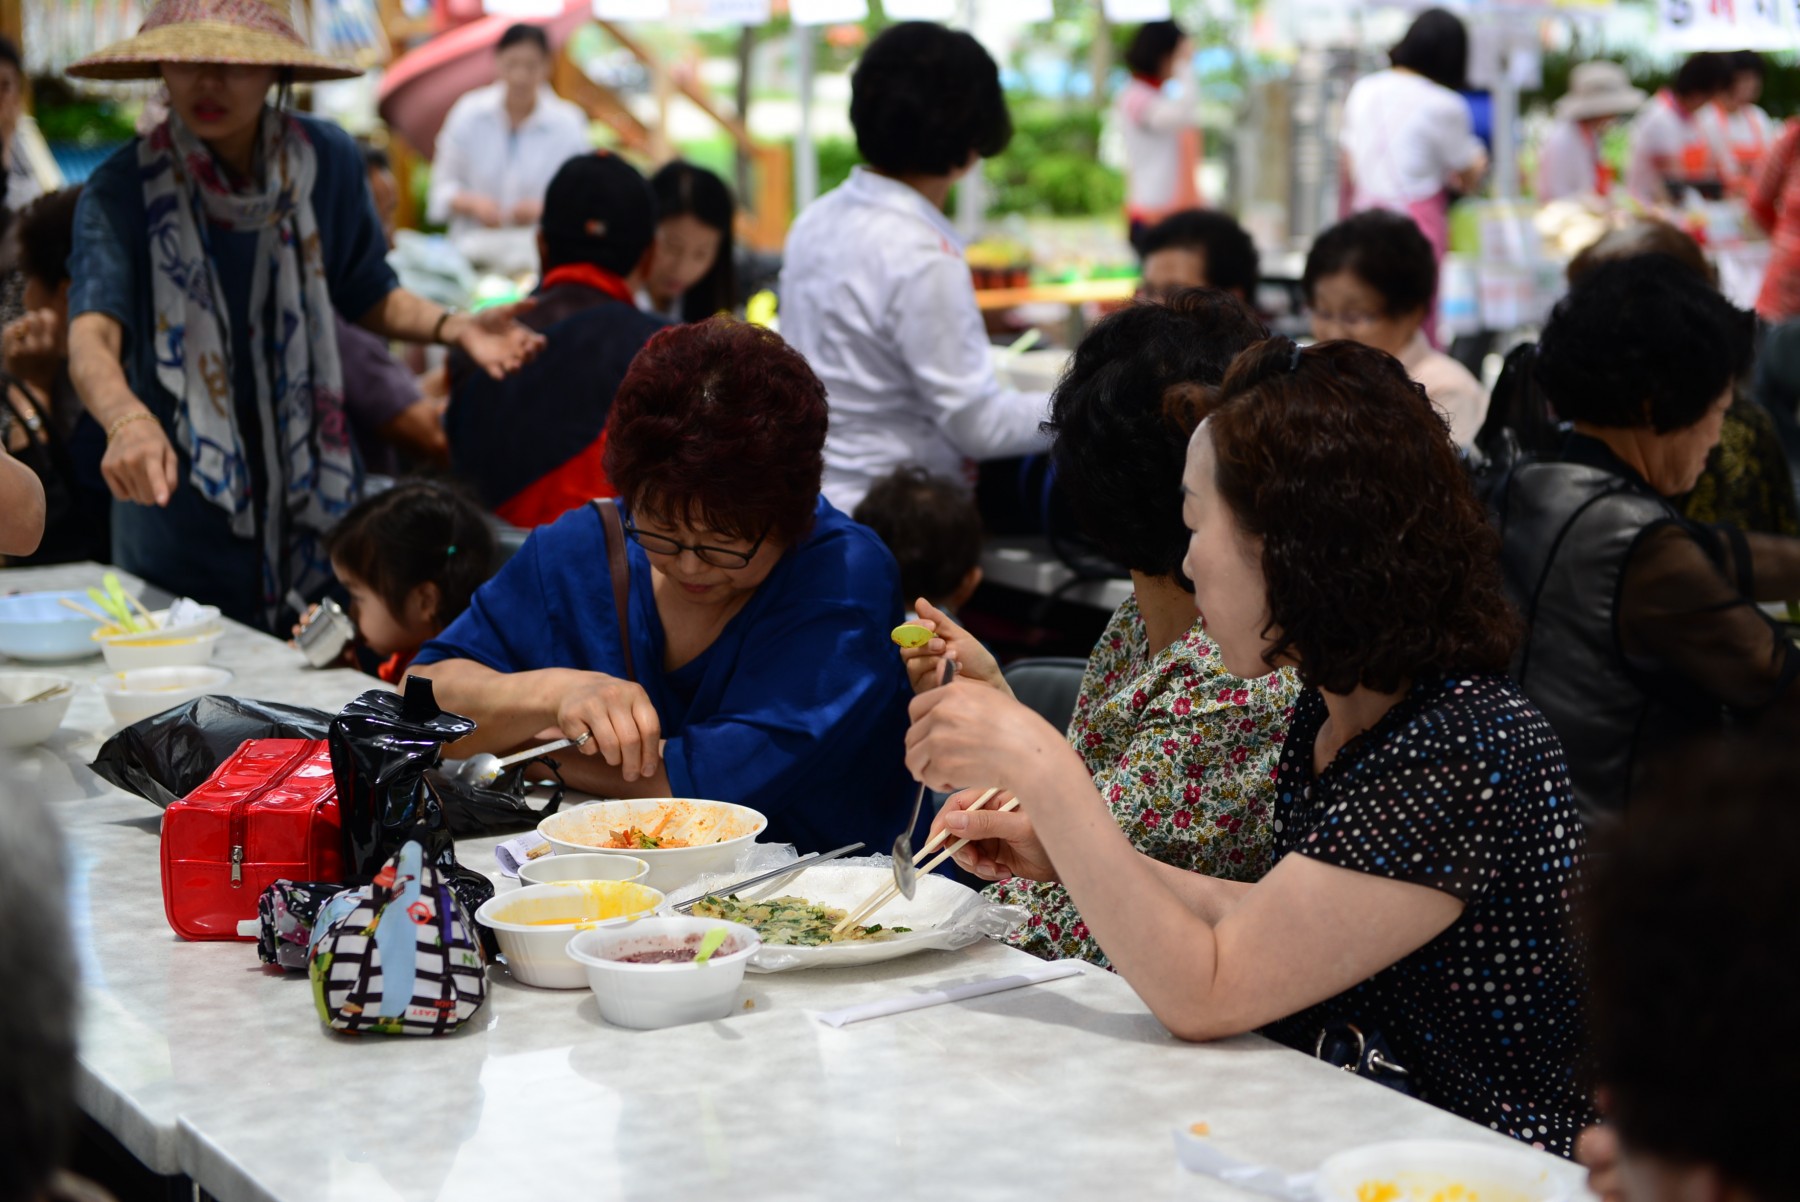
x=201, y=1061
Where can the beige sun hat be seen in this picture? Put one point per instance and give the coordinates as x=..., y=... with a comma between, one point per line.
x=1599, y=89
x=255, y=33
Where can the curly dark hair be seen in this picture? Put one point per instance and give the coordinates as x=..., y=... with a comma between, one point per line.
x=1150, y=48
x=46, y=233
x=416, y=532
x=1118, y=459
x=924, y=97
x=1693, y=936
x=1642, y=342
x=931, y=525
x=1231, y=258
x=1385, y=250
x=720, y=424
x=1380, y=563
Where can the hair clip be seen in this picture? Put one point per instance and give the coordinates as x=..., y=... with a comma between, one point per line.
x=1294, y=360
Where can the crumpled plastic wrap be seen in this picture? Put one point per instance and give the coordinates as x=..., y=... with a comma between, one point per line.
x=943, y=915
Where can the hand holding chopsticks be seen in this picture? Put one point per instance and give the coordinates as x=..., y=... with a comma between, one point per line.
x=889, y=891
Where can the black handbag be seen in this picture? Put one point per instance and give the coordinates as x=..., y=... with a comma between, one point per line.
x=1364, y=1053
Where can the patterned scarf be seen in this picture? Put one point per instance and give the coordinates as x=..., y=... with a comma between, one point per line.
x=311, y=471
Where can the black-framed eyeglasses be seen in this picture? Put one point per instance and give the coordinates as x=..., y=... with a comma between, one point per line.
x=718, y=557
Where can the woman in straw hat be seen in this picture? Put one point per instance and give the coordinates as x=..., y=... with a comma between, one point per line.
x=208, y=257
x=1569, y=160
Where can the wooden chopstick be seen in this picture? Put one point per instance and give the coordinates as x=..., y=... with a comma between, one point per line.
x=889, y=891
x=1008, y=808
x=85, y=612
x=139, y=606
x=937, y=841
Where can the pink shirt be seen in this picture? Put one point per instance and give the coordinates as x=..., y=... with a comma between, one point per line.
x=1458, y=395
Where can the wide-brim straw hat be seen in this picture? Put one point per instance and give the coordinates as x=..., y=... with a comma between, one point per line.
x=1599, y=89
x=250, y=33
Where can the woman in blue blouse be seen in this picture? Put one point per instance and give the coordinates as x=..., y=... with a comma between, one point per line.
x=759, y=668
x=208, y=257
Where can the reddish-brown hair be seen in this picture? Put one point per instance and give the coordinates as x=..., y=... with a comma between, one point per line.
x=1380, y=564
x=721, y=425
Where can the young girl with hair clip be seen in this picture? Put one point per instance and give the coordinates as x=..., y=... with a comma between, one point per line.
x=410, y=558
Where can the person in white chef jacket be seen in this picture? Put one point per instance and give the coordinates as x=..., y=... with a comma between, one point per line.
x=875, y=291
x=499, y=149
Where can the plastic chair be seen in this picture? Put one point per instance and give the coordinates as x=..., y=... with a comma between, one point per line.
x=1049, y=685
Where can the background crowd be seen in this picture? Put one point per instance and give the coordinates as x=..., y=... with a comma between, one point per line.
x=1444, y=726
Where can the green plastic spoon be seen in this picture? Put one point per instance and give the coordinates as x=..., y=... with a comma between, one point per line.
x=714, y=940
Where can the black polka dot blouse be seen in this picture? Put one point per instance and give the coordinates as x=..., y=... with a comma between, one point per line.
x=1461, y=787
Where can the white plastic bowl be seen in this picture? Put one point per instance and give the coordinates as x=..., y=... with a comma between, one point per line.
x=727, y=829
x=35, y=626
x=136, y=695
x=645, y=996
x=533, y=924
x=1417, y=1170
x=190, y=645
x=585, y=866
x=27, y=725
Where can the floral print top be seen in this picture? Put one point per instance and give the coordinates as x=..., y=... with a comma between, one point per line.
x=1185, y=756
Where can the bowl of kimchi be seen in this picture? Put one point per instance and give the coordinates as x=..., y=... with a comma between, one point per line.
x=679, y=837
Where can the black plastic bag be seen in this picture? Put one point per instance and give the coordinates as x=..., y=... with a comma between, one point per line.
x=382, y=746
x=167, y=756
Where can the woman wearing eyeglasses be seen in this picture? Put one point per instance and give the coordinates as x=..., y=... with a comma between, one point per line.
x=759, y=667
x=1371, y=278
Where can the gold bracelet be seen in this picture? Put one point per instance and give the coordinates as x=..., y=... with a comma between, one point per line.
x=140, y=415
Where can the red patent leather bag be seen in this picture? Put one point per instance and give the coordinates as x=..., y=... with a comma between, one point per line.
x=268, y=813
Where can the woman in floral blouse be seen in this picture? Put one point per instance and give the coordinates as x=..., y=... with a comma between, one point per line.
x=1183, y=752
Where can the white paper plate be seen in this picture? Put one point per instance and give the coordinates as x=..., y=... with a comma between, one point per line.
x=942, y=915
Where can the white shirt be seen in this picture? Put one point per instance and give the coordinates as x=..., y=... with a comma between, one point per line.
x=876, y=294
x=479, y=151
x=1405, y=137
x=1566, y=163
x=1150, y=124
x=1659, y=133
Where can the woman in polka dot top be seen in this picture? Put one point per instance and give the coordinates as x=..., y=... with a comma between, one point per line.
x=1429, y=847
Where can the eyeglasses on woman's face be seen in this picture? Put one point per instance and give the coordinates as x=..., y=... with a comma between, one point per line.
x=718, y=557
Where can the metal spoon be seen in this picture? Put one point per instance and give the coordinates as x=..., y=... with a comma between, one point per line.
x=485, y=769
x=906, y=873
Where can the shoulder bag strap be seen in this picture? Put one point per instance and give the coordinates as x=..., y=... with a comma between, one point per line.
x=619, y=565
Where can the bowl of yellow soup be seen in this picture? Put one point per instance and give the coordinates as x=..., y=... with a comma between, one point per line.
x=188, y=645
x=534, y=924
x=1442, y=1170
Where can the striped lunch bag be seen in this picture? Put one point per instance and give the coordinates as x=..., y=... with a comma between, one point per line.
x=398, y=956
